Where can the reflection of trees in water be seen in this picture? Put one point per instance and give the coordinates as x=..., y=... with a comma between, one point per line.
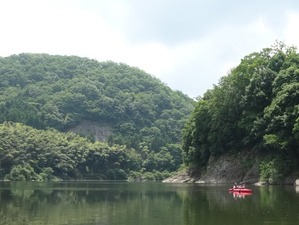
x=279, y=202
x=80, y=205
x=144, y=204
x=195, y=205
x=217, y=206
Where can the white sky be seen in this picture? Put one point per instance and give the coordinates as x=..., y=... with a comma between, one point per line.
x=187, y=44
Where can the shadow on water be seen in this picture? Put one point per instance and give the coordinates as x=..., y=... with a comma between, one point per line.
x=111, y=203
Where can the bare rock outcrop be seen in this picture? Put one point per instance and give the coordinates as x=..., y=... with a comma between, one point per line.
x=224, y=169
x=96, y=130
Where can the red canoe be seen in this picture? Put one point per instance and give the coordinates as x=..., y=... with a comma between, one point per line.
x=241, y=190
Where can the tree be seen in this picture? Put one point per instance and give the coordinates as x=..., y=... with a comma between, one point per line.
x=253, y=108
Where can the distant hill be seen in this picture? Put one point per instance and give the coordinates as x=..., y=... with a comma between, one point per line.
x=102, y=101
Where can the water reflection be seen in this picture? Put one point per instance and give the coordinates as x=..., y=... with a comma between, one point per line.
x=112, y=203
x=275, y=205
x=88, y=203
x=240, y=195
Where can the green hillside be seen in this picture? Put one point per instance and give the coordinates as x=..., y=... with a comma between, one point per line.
x=255, y=108
x=102, y=101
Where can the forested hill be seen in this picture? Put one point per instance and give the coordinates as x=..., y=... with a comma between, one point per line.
x=254, y=109
x=103, y=101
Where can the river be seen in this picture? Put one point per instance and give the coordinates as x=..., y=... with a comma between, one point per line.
x=123, y=203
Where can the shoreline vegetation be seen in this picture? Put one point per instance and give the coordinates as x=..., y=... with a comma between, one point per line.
x=251, y=115
x=68, y=118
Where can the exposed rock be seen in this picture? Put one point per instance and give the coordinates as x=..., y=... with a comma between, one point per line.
x=261, y=183
x=291, y=179
x=252, y=173
x=240, y=168
x=100, y=132
x=225, y=169
x=180, y=177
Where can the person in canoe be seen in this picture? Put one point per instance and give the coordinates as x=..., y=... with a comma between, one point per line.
x=238, y=186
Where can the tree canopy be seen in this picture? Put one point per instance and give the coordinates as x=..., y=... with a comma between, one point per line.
x=60, y=92
x=254, y=108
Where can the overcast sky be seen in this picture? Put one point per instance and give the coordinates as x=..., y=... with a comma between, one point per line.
x=187, y=44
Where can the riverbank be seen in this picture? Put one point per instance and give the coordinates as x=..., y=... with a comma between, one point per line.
x=239, y=168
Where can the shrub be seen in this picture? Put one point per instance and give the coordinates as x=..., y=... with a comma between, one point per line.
x=23, y=173
x=271, y=171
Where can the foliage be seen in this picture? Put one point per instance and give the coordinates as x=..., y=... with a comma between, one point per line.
x=254, y=108
x=59, y=92
x=35, y=155
x=46, y=91
x=271, y=171
x=28, y=154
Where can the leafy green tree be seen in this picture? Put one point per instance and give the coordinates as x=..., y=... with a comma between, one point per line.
x=253, y=108
x=62, y=92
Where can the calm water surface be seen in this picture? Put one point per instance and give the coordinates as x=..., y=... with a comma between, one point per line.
x=122, y=203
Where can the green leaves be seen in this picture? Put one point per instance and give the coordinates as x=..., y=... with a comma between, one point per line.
x=63, y=92
x=36, y=155
x=255, y=107
x=271, y=171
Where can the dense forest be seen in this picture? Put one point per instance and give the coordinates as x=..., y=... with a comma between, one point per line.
x=148, y=129
x=255, y=108
x=44, y=97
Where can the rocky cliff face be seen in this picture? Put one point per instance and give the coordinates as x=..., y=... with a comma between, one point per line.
x=225, y=169
x=96, y=130
x=231, y=169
